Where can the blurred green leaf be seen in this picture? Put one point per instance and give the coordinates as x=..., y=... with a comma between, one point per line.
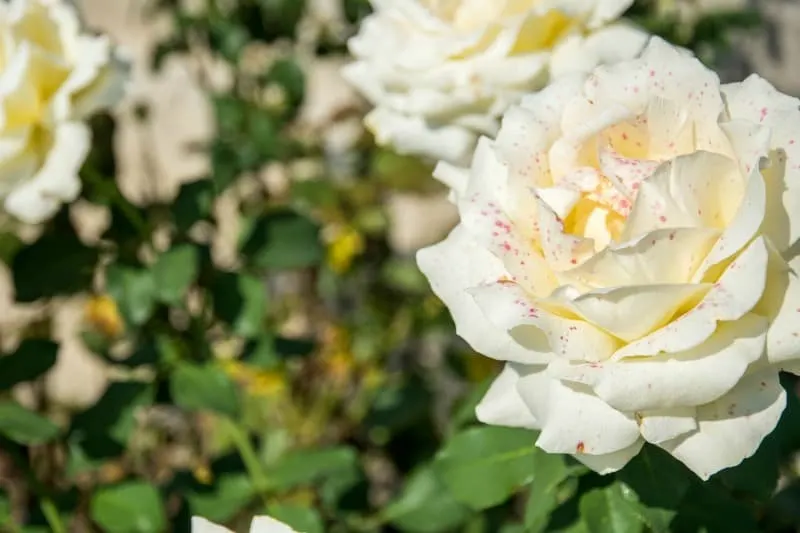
x=425, y=505
x=398, y=406
x=299, y=518
x=57, y=264
x=174, y=273
x=32, y=358
x=24, y=426
x=288, y=75
x=240, y=301
x=484, y=466
x=5, y=508
x=659, y=479
x=133, y=289
x=193, y=204
x=550, y=472
x=708, y=507
x=274, y=19
x=220, y=502
x=204, y=387
x=133, y=507
x=304, y=467
x=113, y=415
x=609, y=510
x=284, y=240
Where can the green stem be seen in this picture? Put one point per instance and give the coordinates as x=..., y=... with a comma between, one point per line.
x=249, y=456
x=52, y=516
x=109, y=189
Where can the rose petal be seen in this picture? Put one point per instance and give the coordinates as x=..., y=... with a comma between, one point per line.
x=781, y=305
x=684, y=379
x=661, y=425
x=452, y=267
x=510, y=308
x=201, y=525
x=630, y=313
x=57, y=180
x=502, y=405
x=610, y=462
x=668, y=256
x=731, y=429
x=413, y=135
x=735, y=294
x=757, y=101
x=702, y=189
x=575, y=421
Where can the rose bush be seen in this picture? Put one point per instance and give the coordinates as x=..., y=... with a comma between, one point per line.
x=627, y=246
x=260, y=524
x=440, y=73
x=52, y=77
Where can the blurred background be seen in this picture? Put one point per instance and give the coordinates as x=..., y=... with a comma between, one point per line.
x=263, y=341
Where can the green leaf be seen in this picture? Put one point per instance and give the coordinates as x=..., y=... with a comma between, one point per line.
x=241, y=302
x=113, y=416
x=464, y=414
x=33, y=358
x=659, y=479
x=709, y=507
x=222, y=501
x=284, y=240
x=425, y=505
x=204, y=387
x=174, y=272
x=304, y=467
x=297, y=517
x=193, y=204
x=289, y=76
x=133, y=507
x=398, y=406
x=57, y=264
x=484, y=466
x=133, y=289
x=550, y=472
x=5, y=508
x=608, y=510
x=24, y=426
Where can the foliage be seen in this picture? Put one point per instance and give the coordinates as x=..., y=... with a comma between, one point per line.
x=358, y=420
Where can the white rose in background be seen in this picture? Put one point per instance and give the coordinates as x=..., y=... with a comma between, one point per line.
x=52, y=77
x=627, y=245
x=260, y=524
x=441, y=72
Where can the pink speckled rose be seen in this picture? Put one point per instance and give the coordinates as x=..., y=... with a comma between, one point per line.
x=626, y=245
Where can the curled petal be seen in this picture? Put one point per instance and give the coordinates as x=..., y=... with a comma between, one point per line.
x=686, y=379
x=502, y=405
x=574, y=420
x=731, y=428
x=455, y=265
x=735, y=294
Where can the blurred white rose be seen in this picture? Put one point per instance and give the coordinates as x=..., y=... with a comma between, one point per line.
x=52, y=76
x=441, y=72
x=627, y=244
x=260, y=524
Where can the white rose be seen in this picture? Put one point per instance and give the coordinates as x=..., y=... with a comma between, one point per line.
x=441, y=72
x=52, y=76
x=626, y=244
x=260, y=524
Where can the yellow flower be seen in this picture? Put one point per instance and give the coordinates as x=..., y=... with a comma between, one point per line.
x=266, y=383
x=102, y=313
x=347, y=243
x=203, y=475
